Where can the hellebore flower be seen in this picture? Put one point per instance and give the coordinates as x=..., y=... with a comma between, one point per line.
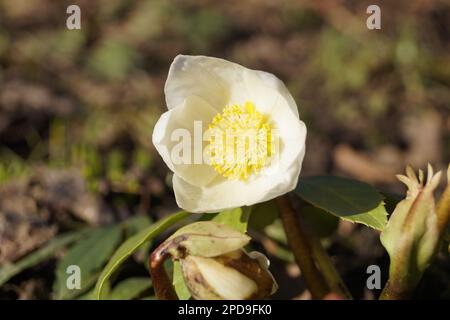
x=215, y=266
x=251, y=143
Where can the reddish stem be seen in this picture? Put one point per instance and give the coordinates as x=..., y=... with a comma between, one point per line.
x=161, y=282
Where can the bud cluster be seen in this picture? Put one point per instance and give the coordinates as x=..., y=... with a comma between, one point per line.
x=215, y=266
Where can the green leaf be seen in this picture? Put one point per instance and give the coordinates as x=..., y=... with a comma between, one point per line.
x=263, y=214
x=86, y=285
x=87, y=296
x=323, y=223
x=132, y=244
x=130, y=288
x=10, y=270
x=90, y=254
x=348, y=199
x=136, y=224
x=90, y=295
x=178, y=282
x=236, y=219
x=376, y=218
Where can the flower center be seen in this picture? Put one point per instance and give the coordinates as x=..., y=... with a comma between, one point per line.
x=240, y=141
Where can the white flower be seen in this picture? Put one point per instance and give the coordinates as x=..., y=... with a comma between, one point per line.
x=227, y=97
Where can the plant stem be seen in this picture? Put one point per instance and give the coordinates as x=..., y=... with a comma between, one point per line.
x=392, y=292
x=161, y=282
x=300, y=248
x=329, y=272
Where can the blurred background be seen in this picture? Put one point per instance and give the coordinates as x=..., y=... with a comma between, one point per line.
x=77, y=110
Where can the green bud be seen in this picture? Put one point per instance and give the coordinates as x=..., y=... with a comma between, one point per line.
x=232, y=276
x=411, y=235
x=205, y=239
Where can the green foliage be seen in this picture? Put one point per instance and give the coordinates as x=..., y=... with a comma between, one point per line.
x=114, y=165
x=348, y=199
x=178, y=282
x=67, y=45
x=263, y=214
x=113, y=59
x=90, y=254
x=136, y=224
x=203, y=28
x=323, y=223
x=345, y=61
x=236, y=219
x=11, y=165
x=87, y=296
x=10, y=270
x=129, y=288
x=133, y=244
x=142, y=158
x=375, y=218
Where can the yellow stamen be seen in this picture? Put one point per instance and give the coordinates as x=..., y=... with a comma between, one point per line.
x=240, y=141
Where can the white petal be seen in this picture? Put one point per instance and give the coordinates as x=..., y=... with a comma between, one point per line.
x=196, y=75
x=183, y=117
x=262, y=84
x=221, y=83
x=226, y=282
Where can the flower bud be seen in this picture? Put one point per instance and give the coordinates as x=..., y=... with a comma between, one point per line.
x=232, y=276
x=411, y=236
x=205, y=239
x=214, y=264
